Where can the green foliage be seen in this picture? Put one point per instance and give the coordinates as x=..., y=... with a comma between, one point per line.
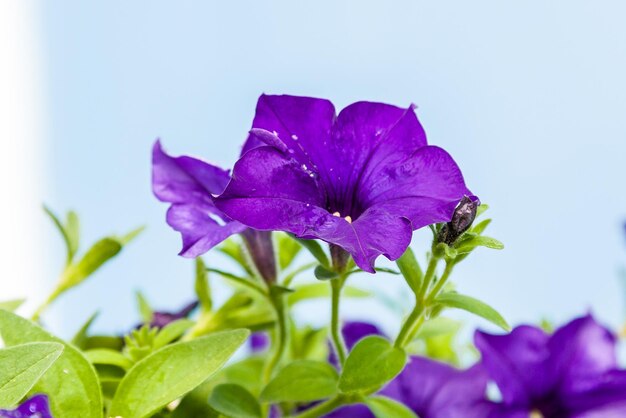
x=234, y=401
x=372, y=362
x=11, y=305
x=288, y=249
x=21, y=367
x=202, y=286
x=383, y=407
x=475, y=306
x=80, y=338
x=109, y=357
x=324, y=273
x=316, y=250
x=410, y=269
x=71, y=377
x=145, y=310
x=171, y=372
x=98, y=254
x=302, y=381
x=322, y=290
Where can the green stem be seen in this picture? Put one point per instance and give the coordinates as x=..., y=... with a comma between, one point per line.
x=323, y=408
x=335, y=326
x=416, y=316
x=428, y=277
x=441, y=283
x=280, y=336
x=45, y=304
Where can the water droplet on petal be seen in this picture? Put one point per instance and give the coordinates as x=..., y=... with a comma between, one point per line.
x=294, y=137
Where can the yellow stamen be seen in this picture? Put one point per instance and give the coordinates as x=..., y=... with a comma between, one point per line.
x=536, y=414
x=349, y=219
x=337, y=214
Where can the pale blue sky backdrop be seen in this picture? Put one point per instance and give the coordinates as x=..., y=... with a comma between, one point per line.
x=529, y=97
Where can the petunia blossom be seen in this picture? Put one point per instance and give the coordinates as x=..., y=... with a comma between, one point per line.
x=362, y=180
x=34, y=407
x=570, y=374
x=191, y=185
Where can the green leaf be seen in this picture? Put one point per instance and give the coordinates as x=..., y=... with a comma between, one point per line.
x=69, y=245
x=234, y=250
x=479, y=241
x=234, y=401
x=482, y=208
x=72, y=379
x=383, y=407
x=72, y=229
x=108, y=357
x=288, y=249
x=372, y=362
x=11, y=305
x=292, y=274
x=171, y=332
x=101, y=252
x=302, y=381
x=244, y=281
x=411, y=270
x=125, y=239
x=322, y=290
x=172, y=371
x=475, y=306
x=80, y=339
x=315, y=249
x=145, y=310
x=323, y=273
x=480, y=227
x=22, y=366
x=202, y=286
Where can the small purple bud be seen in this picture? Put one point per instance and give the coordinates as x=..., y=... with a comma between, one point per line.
x=161, y=319
x=462, y=219
x=261, y=249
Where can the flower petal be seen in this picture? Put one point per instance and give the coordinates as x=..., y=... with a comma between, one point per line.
x=431, y=388
x=425, y=188
x=351, y=411
x=185, y=179
x=303, y=124
x=581, y=351
x=606, y=400
x=518, y=363
x=200, y=232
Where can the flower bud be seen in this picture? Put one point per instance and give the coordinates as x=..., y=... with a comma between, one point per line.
x=261, y=250
x=462, y=219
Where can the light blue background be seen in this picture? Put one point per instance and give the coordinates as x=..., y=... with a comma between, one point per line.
x=529, y=97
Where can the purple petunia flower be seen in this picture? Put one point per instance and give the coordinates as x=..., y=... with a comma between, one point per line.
x=362, y=180
x=570, y=374
x=34, y=407
x=191, y=185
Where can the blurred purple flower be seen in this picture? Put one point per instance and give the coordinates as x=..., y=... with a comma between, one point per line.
x=362, y=180
x=191, y=186
x=259, y=341
x=432, y=390
x=34, y=407
x=161, y=318
x=571, y=374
